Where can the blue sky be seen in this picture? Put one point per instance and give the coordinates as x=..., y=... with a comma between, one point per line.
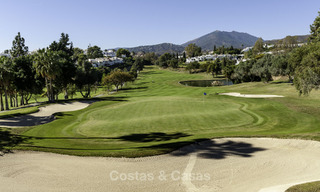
x=128, y=23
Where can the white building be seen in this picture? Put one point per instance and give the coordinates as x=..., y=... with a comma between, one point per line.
x=246, y=49
x=210, y=58
x=105, y=61
x=109, y=53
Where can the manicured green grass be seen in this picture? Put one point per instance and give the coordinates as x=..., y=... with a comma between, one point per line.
x=17, y=112
x=306, y=187
x=156, y=115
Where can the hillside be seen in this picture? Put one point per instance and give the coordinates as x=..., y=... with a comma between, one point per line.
x=300, y=39
x=159, y=48
x=207, y=42
x=220, y=38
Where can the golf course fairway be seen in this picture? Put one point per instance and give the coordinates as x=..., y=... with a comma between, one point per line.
x=156, y=115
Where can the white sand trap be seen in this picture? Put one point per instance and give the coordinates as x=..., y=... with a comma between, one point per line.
x=44, y=115
x=223, y=165
x=250, y=95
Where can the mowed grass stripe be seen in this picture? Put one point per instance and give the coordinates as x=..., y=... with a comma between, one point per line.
x=166, y=115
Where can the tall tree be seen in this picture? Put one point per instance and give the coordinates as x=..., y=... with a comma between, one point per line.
x=139, y=64
x=26, y=82
x=192, y=67
x=163, y=60
x=123, y=52
x=280, y=66
x=315, y=30
x=68, y=69
x=18, y=49
x=18, y=46
x=242, y=72
x=86, y=76
x=306, y=62
x=94, y=52
x=262, y=68
x=150, y=58
x=228, y=69
x=117, y=78
x=214, y=67
x=47, y=64
x=258, y=46
x=6, y=77
x=193, y=50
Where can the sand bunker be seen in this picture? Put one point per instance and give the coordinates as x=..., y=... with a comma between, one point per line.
x=250, y=95
x=226, y=165
x=44, y=115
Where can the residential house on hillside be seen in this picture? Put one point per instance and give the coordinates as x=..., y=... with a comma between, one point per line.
x=246, y=49
x=105, y=61
x=109, y=53
x=210, y=58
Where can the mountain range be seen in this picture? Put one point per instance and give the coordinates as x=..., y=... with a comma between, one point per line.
x=299, y=38
x=158, y=49
x=223, y=38
x=207, y=42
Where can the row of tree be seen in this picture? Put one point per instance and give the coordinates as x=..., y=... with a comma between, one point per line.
x=300, y=64
x=18, y=76
x=59, y=68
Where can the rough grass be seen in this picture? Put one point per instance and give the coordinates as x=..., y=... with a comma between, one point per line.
x=306, y=187
x=156, y=115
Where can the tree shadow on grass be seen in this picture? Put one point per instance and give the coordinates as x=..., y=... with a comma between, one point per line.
x=132, y=88
x=149, y=72
x=9, y=140
x=105, y=98
x=140, y=83
x=155, y=136
x=143, y=137
x=25, y=121
x=209, y=149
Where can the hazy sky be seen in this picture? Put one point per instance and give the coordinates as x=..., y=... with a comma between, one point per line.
x=128, y=23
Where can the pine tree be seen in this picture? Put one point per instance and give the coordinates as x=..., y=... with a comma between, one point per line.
x=18, y=47
x=315, y=30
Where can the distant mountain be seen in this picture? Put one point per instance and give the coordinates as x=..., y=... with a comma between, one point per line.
x=158, y=49
x=220, y=38
x=300, y=39
x=206, y=42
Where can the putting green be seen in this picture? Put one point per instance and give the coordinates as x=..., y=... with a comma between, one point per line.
x=169, y=114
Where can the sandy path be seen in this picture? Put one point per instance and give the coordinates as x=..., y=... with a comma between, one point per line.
x=250, y=95
x=44, y=115
x=228, y=165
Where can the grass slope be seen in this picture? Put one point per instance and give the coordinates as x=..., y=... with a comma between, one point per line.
x=306, y=187
x=156, y=115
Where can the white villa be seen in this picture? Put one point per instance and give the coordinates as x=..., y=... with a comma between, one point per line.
x=109, y=53
x=246, y=49
x=105, y=61
x=210, y=58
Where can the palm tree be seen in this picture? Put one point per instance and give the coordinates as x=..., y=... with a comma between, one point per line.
x=47, y=64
